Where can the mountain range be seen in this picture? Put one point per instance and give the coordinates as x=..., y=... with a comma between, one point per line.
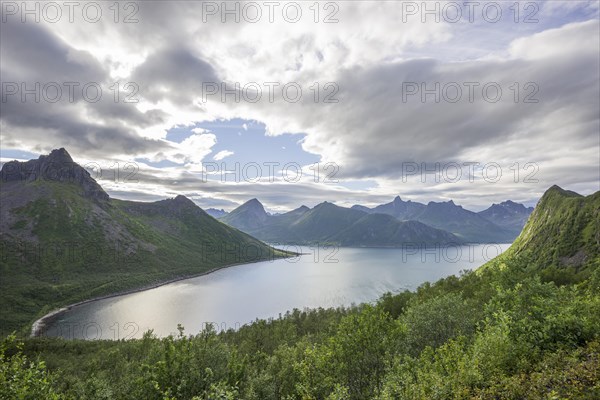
x=387, y=225
x=509, y=215
x=63, y=238
x=332, y=224
x=216, y=213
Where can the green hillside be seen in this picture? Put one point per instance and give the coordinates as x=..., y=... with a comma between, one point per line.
x=61, y=243
x=561, y=237
x=502, y=332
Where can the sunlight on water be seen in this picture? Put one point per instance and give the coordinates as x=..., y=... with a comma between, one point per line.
x=238, y=295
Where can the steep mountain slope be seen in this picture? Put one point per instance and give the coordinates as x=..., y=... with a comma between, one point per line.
x=508, y=215
x=248, y=217
x=563, y=231
x=325, y=220
x=361, y=208
x=63, y=239
x=277, y=229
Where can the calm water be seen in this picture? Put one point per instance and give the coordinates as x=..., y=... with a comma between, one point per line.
x=238, y=295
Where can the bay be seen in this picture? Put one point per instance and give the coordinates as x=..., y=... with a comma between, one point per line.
x=234, y=296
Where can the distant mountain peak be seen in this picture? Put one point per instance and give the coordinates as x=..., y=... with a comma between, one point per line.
x=254, y=204
x=441, y=203
x=324, y=204
x=249, y=215
x=216, y=213
x=508, y=215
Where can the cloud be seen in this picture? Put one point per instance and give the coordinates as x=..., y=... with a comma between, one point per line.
x=369, y=56
x=222, y=154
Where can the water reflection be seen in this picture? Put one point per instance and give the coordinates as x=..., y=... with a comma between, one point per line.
x=238, y=295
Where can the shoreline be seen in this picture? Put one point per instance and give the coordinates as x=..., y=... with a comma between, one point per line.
x=37, y=328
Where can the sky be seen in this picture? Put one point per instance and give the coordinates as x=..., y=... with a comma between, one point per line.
x=296, y=103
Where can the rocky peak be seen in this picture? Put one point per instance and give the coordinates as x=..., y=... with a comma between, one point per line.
x=58, y=156
x=182, y=201
x=58, y=166
x=254, y=203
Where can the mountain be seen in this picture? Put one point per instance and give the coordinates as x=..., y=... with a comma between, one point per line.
x=63, y=239
x=381, y=230
x=331, y=224
x=402, y=210
x=324, y=221
x=216, y=213
x=563, y=231
x=58, y=166
x=248, y=217
x=277, y=228
x=508, y=215
x=466, y=224
x=361, y=208
x=450, y=217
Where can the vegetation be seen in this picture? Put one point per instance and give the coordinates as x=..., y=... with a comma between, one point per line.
x=500, y=334
x=65, y=247
x=561, y=240
x=510, y=330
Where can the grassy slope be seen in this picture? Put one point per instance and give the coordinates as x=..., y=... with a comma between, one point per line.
x=499, y=333
x=65, y=248
x=561, y=237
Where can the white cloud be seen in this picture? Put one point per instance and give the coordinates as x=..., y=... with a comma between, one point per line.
x=369, y=53
x=222, y=154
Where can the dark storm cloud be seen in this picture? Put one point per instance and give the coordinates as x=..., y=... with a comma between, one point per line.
x=33, y=55
x=380, y=131
x=173, y=72
x=370, y=133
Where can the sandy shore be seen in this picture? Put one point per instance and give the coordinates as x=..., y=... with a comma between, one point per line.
x=37, y=328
